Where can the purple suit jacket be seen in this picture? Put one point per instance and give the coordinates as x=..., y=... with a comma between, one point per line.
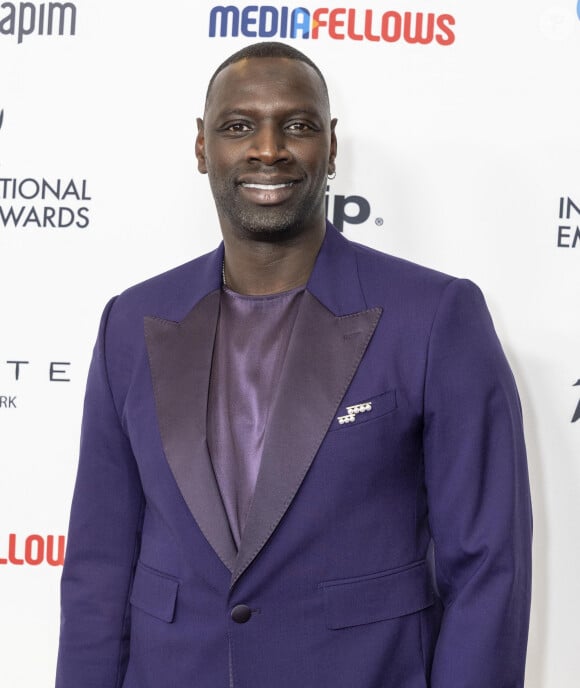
x=388, y=551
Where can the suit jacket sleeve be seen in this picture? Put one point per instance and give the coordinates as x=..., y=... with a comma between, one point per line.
x=102, y=543
x=478, y=498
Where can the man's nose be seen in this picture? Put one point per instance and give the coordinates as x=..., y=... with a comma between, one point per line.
x=268, y=145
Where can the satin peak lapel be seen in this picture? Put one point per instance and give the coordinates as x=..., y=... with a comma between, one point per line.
x=323, y=354
x=180, y=356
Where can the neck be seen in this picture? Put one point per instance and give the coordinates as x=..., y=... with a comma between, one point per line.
x=257, y=267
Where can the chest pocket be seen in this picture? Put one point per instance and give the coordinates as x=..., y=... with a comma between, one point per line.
x=355, y=413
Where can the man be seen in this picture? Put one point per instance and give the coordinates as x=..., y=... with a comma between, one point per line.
x=302, y=461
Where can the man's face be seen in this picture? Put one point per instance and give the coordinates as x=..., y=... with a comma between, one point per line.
x=267, y=144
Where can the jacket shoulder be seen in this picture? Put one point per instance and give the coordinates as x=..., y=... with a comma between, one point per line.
x=397, y=280
x=171, y=294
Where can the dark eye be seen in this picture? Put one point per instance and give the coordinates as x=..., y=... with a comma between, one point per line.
x=298, y=126
x=236, y=128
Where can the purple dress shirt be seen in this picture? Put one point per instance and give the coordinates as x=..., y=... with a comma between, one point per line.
x=251, y=341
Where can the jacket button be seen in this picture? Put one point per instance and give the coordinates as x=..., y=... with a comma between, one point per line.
x=241, y=613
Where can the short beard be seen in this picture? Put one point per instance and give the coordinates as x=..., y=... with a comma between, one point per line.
x=269, y=223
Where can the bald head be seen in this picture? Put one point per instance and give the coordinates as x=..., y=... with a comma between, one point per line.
x=269, y=49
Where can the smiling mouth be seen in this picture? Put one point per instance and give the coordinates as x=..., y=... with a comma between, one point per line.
x=266, y=187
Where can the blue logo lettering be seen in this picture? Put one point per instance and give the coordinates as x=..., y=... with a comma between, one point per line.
x=248, y=20
x=224, y=14
x=265, y=21
x=268, y=25
x=300, y=23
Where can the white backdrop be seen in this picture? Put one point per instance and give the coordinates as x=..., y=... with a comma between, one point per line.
x=463, y=149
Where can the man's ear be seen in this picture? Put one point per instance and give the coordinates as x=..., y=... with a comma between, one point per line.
x=333, y=147
x=200, y=147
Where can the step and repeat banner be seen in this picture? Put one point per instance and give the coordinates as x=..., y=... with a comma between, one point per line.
x=459, y=148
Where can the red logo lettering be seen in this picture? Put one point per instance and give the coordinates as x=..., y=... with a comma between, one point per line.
x=34, y=550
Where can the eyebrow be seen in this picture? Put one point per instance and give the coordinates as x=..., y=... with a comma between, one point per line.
x=249, y=112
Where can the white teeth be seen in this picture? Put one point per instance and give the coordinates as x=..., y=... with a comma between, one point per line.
x=267, y=187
